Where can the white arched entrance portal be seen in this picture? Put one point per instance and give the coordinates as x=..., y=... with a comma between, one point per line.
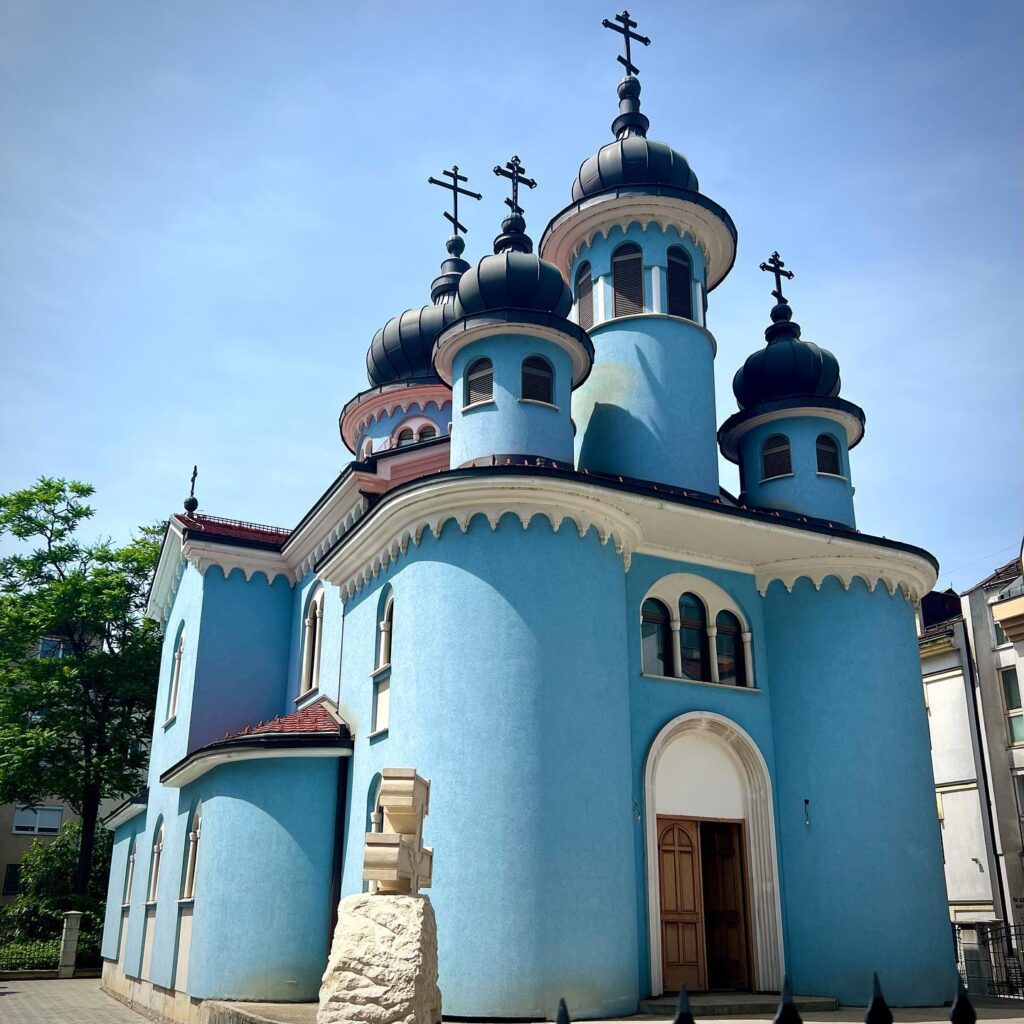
x=703, y=765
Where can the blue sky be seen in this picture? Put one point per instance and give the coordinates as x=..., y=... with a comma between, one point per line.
x=207, y=209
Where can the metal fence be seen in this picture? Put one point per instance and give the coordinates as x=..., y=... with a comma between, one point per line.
x=990, y=959
x=30, y=956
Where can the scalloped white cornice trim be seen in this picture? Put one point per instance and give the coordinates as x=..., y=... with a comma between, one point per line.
x=578, y=227
x=430, y=507
x=373, y=407
x=634, y=523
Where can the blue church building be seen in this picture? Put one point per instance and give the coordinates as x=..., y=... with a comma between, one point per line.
x=674, y=736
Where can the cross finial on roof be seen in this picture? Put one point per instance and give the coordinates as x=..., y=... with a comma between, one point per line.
x=192, y=502
x=456, y=190
x=774, y=266
x=625, y=29
x=513, y=170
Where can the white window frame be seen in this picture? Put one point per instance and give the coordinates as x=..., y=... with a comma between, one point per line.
x=312, y=644
x=154, y=866
x=188, y=890
x=34, y=829
x=175, y=688
x=129, y=872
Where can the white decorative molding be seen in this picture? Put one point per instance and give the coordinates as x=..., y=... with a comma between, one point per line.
x=912, y=581
x=205, y=554
x=384, y=403
x=668, y=589
x=762, y=857
x=403, y=521
x=579, y=225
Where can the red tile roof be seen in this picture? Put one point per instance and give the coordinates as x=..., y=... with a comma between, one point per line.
x=1004, y=574
x=313, y=719
x=217, y=528
x=939, y=628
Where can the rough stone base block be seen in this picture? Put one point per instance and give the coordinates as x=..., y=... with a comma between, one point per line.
x=383, y=964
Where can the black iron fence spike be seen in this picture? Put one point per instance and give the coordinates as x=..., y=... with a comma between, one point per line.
x=962, y=1011
x=563, y=1012
x=684, y=1015
x=787, y=1012
x=878, y=1011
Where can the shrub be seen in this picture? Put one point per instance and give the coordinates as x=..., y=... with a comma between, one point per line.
x=30, y=956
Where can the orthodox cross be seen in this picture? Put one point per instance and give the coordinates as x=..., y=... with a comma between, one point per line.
x=192, y=490
x=456, y=191
x=774, y=266
x=625, y=29
x=513, y=170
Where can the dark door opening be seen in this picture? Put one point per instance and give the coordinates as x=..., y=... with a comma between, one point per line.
x=725, y=917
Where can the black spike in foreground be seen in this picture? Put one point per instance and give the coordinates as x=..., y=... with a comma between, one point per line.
x=878, y=1008
x=563, y=1012
x=787, y=1012
x=683, y=1013
x=962, y=1011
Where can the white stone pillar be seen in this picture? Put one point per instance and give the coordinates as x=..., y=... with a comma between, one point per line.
x=713, y=653
x=748, y=659
x=69, y=944
x=677, y=651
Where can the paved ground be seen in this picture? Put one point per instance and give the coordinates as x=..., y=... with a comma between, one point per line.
x=78, y=1001
x=81, y=1002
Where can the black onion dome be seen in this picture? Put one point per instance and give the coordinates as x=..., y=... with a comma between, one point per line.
x=401, y=349
x=786, y=367
x=632, y=159
x=513, y=278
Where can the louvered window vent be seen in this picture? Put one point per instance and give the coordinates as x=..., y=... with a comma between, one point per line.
x=828, y=455
x=628, y=280
x=680, y=284
x=585, y=297
x=480, y=382
x=537, y=380
x=775, y=457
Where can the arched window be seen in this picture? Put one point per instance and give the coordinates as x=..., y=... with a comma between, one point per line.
x=367, y=450
x=129, y=872
x=427, y=432
x=154, y=864
x=655, y=639
x=693, y=638
x=584, y=297
x=775, y=457
x=405, y=437
x=188, y=889
x=382, y=675
x=311, y=643
x=729, y=648
x=828, y=455
x=538, y=380
x=628, y=280
x=479, y=382
x=172, y=695
x=680, y=283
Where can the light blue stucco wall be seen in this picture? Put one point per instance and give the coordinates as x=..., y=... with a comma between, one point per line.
x=805, y=490
x=507, y=693
x=380, y=431
x=864, y=885
x=508, y=425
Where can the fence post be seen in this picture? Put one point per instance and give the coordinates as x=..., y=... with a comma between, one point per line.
x=69, y=944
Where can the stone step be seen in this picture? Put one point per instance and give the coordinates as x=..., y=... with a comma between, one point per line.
x=734, y=1004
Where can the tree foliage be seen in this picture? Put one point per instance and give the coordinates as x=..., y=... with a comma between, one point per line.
x=47, y=871
x=78, y=662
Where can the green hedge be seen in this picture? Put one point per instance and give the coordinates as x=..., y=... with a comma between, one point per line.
x=30, y=956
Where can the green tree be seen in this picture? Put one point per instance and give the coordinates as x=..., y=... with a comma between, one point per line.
x=78, y=662
x=47, y=871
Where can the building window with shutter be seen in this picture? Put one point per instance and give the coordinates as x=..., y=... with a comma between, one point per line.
x=655, y=639
x=538, y=380
x=311, y=643
x=129, y=874
x=12, y=880
x=405, y=437
x=154, y=865
x=427, y=433
x=680, y=284
x=584, y=297
x=479, y=382
x=628, y=280
x=172, y=697
x=693, y=638
x=188, y=889
x=775, y=457
x=729, y=650
x=381, y=711
x=828, y=455
x=37, y=821
x=1014, y=711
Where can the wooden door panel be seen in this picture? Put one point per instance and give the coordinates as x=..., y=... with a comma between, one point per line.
x=681, y=896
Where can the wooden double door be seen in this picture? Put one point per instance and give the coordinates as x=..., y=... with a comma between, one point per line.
x=704, y=921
